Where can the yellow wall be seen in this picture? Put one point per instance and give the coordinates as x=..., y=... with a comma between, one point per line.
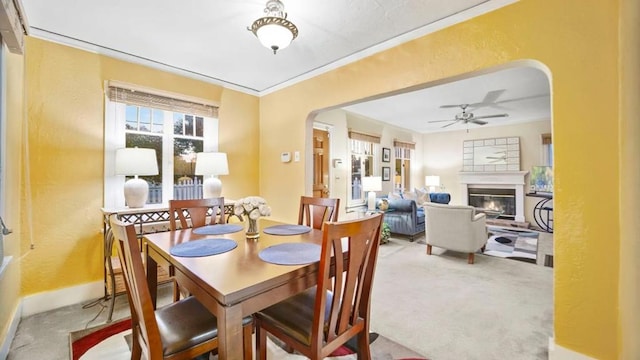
x=630, y=179
x=10, y=280
x=578, y=41
x=65, y=106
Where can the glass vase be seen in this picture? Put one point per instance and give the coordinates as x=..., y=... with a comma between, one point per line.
x=252, y=228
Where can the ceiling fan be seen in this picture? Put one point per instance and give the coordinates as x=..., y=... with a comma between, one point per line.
x=468, y=117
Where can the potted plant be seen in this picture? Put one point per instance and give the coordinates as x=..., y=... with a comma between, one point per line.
x=385, y=233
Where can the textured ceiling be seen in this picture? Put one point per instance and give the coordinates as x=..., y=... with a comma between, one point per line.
x=209, y=40
x=523, y=93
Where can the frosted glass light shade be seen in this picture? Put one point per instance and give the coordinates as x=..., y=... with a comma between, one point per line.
x=371, y=184
x=211, y=164
x=134, y=162
x=274, y=30
x=274, y=36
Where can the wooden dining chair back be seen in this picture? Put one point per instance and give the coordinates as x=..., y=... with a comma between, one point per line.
x=196, y=210
x=180, y=330
x=318, y=321
x=314, y=212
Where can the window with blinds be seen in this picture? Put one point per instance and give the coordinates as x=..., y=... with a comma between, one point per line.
x=547, y=150
x=176, y=127
x=403, y=152
x=365, y=152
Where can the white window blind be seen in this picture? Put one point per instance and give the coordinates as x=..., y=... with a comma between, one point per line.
x=169, y=102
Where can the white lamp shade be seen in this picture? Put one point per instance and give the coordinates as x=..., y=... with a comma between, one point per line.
x=211, y=163
x=432, y=181
x=136, y=161
x=274, y=36
x=372, y=183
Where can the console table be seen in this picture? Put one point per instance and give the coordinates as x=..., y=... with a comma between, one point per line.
x=149, y=219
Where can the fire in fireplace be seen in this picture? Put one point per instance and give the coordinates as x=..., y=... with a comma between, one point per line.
x=500, y=200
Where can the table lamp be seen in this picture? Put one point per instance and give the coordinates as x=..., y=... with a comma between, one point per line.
x=371, y=184
x=136, y=162
x=211, y=164
x=432, y=181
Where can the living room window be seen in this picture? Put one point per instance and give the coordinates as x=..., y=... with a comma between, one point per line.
x=547, y=150
x=177, y=128
x=365, y=151
x=403, y=152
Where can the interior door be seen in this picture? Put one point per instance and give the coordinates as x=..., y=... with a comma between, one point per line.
x=320, y=163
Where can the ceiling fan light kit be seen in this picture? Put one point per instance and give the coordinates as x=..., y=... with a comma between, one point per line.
x=274, y=31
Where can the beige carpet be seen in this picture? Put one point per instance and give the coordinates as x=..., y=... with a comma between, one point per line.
x=443, y=308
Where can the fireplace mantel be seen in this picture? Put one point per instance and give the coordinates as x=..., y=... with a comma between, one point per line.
x=496, y=179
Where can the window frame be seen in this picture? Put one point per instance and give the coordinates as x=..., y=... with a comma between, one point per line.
x=375, y=156
x=115, y=136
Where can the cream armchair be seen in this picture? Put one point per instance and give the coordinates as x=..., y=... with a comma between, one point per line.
x=455, y=227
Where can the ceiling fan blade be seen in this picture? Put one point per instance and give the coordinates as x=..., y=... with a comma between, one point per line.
x=435, y=121
x=492, y=96
x=479, y=122
x=450, y=124
x=531, y=97
x=451, y=106
x=490, y=116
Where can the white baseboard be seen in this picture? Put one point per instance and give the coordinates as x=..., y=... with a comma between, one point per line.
x=557, y=352
x=11, y=333
x=45, y=301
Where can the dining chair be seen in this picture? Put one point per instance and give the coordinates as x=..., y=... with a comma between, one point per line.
x=193, y=214
x=315, y=211
x=180, y=330
x=196, y=210
x=319, y=320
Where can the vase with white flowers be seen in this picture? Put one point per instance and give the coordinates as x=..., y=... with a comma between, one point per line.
x=253, y=207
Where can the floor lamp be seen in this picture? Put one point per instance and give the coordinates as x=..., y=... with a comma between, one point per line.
x=371, y=184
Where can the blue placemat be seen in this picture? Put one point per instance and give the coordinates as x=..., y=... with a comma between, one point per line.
x=291, y=254
x=218, y=229
x=286, y=229
x=204, y=247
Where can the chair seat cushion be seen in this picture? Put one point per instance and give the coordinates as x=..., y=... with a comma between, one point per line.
x=185, y=324
x=295, y=315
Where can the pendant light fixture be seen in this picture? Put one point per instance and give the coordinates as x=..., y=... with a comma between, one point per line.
x=274, y=30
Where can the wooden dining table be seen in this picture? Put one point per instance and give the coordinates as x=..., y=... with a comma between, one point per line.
x=233, y=284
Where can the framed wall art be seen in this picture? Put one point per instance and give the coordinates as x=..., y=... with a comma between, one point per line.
x=386, y=155
x=386, y=173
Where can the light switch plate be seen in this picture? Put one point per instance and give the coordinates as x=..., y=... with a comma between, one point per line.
x=296, y=156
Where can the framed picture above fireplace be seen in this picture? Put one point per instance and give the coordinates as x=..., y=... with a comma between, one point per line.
x=495, y=154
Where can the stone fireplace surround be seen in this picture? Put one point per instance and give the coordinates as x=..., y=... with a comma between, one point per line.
x=496, y=180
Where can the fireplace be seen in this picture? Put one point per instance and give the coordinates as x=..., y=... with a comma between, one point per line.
x=499, y=200
x=495, y=184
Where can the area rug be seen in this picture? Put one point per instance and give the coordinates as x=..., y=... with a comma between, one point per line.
x=513, y=244
x=108, y=342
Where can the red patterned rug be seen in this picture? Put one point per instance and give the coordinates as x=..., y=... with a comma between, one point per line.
x=109, y=341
